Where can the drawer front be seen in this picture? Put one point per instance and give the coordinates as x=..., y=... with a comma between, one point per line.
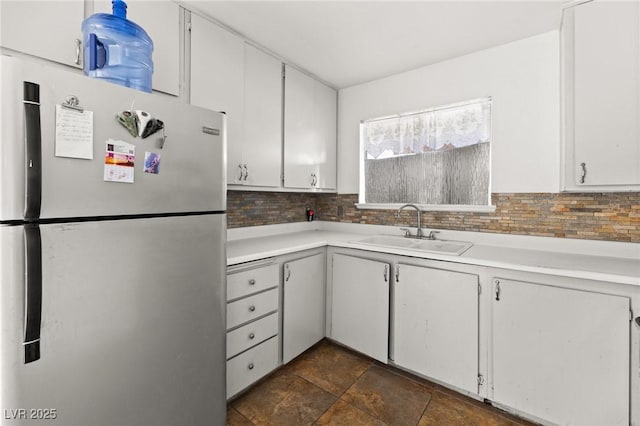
x=244, y=283
x=251, y=334
x=252, y=307
x=250, y=366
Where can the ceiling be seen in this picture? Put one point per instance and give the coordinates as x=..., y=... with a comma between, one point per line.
x=345, y=43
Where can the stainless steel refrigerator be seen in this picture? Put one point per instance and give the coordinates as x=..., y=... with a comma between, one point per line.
x=112, y=254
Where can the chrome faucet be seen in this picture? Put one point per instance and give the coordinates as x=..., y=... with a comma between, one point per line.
x=419, y=233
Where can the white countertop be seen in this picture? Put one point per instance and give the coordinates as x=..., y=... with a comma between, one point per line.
x=586, y=259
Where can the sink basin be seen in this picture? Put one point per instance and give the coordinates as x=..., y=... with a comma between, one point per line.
x=455, y=248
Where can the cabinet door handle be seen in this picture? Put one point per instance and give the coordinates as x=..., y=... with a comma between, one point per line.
x=78, y=51
x=397, y=274
x=288, y=272
x=497, y=290
x=250, y=366
x=252, y=282
x=583, y=172
x=386, y=273
x=241, y=172
x=252, y=336
x=315, y=180
x=246, y=172
x=252, y=308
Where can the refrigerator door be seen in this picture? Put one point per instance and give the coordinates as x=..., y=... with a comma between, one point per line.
x=132, y=324
x=192, y=168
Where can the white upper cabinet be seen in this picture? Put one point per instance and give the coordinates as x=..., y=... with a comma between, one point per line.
x=46, y=29
x=261, y=159
x=217, y=81
x=601, y=62
x=309, y=132
x=161, y=20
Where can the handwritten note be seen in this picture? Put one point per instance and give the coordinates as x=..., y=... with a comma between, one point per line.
x=74, y=133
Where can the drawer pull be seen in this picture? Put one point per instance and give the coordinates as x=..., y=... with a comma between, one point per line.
x=252, y=308
x=252, y=336
x=252, y=282
x=250, y=366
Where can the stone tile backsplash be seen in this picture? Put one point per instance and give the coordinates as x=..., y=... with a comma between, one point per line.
x=594, y=216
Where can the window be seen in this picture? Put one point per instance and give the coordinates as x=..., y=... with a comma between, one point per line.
x=439, y=156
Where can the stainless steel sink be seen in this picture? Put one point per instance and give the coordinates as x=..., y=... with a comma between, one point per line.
x=455, y=248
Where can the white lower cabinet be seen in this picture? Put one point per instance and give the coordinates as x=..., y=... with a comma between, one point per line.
x=251, y=334
x=435, y=324
x=251, y=365
x=560, y=354
x=360, y=305
x=303, y=305
x=253, y=340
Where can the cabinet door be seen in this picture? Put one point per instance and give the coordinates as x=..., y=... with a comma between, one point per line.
x=161, y=20
x=607, y=93
x=561, y=355
x=303, y=307
x=435, y=325
x=217, y=80
x=262, y=147
x=325, y=125
x=299, y=136
x=46, y=29
x=360, y=305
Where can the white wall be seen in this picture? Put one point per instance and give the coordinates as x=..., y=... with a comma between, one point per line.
x=523, y=79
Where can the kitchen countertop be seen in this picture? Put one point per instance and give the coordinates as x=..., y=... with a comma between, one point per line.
x=574, y=258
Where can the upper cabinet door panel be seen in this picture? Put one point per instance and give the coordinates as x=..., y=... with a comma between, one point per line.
x=262, y=148
x=326, y=119
x=217, y=81
x=299, y=136
x=161, y=20
x=607, y=93
x=47, y=29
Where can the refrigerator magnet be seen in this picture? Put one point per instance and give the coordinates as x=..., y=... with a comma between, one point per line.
x=151, y=163
x=119, y=161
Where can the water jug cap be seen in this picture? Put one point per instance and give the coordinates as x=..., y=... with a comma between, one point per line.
x=119, y=8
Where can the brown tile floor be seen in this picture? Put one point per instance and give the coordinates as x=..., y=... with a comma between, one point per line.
x=331, y=385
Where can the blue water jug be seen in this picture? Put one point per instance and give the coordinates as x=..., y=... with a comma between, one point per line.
x=117, y=49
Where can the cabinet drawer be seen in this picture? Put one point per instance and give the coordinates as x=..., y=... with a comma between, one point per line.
x=244, y=283
x=249, y=366
x=251, y=334
x=252, y=307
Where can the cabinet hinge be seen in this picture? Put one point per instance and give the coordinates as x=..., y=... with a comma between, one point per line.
x=480, y=380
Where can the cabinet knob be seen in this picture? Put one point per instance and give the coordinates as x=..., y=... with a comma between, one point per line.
x=252, y=336
x=250, y=366
x=252, y=308
x=252, y=281
x=583, y=172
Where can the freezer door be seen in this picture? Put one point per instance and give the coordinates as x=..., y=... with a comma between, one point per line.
x=132, y=325
x=192, y=168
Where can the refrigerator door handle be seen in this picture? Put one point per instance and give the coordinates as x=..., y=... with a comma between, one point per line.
x=33, y=292
x=33, y=151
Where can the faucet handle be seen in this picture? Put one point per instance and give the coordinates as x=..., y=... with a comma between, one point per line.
x=432, y=234
x=407, y=232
